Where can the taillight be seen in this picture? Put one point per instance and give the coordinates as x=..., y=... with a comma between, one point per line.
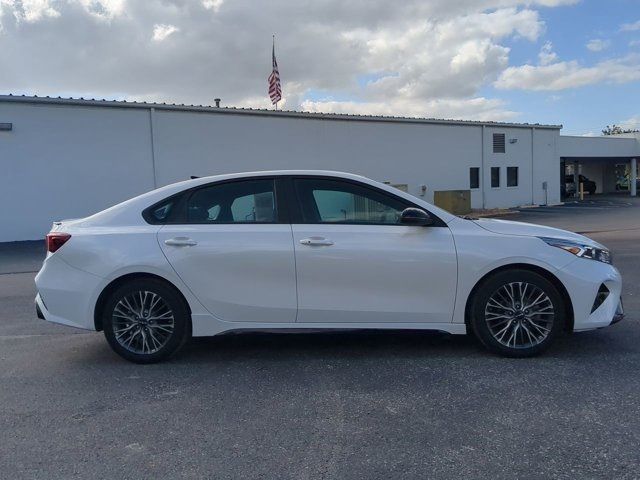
x=55, y=240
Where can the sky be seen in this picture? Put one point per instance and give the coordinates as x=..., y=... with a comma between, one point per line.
x=569, y=62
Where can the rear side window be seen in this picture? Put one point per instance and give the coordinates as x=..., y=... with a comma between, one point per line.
x=251, y=201
x=161, y=213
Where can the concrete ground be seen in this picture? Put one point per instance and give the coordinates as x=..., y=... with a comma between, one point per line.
x=330, y=406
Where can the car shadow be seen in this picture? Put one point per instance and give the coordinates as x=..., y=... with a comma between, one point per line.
x=351, y=345
x=364, y=346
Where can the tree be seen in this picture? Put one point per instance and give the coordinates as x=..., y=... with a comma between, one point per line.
x=617, y=130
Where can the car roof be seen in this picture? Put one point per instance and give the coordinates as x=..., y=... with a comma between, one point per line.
x=275, y=173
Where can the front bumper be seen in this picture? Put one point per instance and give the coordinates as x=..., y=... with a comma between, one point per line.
x=583, y=278
x=619, y=315
x=39, y=313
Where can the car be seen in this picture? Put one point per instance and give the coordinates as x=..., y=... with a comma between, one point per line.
x=623, y=182
x=589, y=186
x=299, y=251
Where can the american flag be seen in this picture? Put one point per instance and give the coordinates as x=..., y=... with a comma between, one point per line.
x=275, y=91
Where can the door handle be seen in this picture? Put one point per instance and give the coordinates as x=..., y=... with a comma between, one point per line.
x=320, y=241
x=180, y=242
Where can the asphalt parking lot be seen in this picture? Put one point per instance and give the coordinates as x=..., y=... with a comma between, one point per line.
x=331, y=406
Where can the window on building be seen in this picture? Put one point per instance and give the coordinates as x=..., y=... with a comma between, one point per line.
x=235, y=202
x=474, y=177
x=512, y=176
x=499, y=143
x=495, y=177
x=333, y=201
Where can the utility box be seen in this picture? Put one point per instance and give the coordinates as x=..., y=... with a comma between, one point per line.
x=457, y=202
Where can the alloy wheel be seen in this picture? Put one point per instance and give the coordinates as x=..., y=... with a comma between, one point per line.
x=142, y=322
x=519, y=315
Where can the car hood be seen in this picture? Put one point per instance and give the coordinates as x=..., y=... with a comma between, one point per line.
x=507, y=227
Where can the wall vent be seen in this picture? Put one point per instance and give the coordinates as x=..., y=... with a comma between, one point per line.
x=498, y=143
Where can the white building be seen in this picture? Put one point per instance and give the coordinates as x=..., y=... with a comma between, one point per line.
x=65, y=158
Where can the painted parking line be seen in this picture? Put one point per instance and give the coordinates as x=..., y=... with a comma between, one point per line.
x=567, y=209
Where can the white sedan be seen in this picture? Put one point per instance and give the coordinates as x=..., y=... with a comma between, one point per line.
x=310, y=250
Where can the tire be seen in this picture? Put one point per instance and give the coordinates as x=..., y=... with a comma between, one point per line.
x=146, y=321
x=535, y=327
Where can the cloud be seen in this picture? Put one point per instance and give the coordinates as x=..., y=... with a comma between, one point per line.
x=547, y=55
x=212, y=4
x=426, y=58
x=634, y=43
x=598, y=44
x=33, y=10
x=632, y=123
x=630, y=27
x=472, y=109
x=162, y=31
x=552, y=74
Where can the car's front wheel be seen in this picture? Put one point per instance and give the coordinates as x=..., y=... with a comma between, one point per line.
x=517, y=313
x=146, y=320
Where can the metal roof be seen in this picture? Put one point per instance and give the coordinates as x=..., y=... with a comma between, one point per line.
x=83, y=102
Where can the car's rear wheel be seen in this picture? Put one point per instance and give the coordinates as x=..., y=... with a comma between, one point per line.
x=146, y=320
x=517, y=313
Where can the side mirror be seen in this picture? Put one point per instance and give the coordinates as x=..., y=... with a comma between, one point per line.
x=415, y=217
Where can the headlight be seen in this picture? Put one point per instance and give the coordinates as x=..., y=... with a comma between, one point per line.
x=579, y=249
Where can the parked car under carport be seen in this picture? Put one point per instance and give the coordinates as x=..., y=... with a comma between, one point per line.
x=569, y=187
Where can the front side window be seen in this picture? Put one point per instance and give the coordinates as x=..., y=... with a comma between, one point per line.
x=251, y=201
x=332, y=201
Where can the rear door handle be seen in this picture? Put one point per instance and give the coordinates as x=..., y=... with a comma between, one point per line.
x=180, y=242
x=320, y=241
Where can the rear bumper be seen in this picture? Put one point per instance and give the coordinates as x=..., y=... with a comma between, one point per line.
x=66, y=295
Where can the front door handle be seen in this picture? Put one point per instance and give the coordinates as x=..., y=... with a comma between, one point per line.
x=320, y=241
x=180, y=242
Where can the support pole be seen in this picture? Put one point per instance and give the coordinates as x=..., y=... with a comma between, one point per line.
x=633, y=175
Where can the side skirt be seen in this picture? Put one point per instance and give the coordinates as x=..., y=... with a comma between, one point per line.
x=207, y=326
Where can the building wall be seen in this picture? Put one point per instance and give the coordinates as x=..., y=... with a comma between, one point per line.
x=609, y=146
x=66, y=161
x=61, y=162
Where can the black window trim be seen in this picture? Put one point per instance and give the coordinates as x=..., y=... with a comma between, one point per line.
x=288, y=209
x=178, y=214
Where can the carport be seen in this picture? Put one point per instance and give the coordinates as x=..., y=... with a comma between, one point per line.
x=610, y=162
